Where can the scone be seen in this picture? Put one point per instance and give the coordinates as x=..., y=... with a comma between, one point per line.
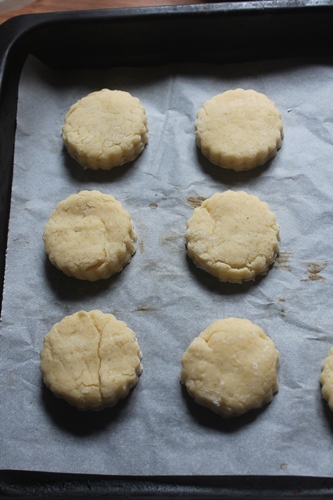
x=105, y=129
x=89, y=236
x=90, y=359
x=231, y=367
x=239, y=129
x=233, y=236
x=326, y=379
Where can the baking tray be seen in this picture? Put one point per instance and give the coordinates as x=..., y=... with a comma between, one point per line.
x=217, y=33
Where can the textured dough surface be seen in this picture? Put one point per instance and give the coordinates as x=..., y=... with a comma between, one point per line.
x=89, y=236
x=233, y=236
x=105, y=129
x=231, y=367
x=239, y=129
x=90, y=359
x=326, y=379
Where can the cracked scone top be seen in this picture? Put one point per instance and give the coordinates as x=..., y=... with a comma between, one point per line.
x=89, y=236
x=91, y=360
x=326, y=379
x=231, y=367
x=239, y=129
x=233, y=236
x=105, y=129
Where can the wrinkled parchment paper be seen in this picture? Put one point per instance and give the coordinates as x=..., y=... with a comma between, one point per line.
x=158, y=429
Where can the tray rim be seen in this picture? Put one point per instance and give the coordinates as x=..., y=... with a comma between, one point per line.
x=27, y=484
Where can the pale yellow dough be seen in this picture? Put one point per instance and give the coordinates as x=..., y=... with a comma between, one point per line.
x=91, y=360
x=239, y=129
x=231, y=367
x=105, y=129
x=233, y=236
x=326, y=379
x=89, y=236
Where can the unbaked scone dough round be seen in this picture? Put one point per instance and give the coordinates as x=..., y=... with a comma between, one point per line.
x=326, y=379
x=89, y=236
x=231, y=367
x=239, y=129
x=105, y=129
x=90, y=359
x=233, y=236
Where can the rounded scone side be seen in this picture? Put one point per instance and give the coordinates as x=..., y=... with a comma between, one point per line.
x=105, y=129
x=90, y=236
x=91, y=360
x=326, y=379
x=231, y=367
x=239, y=129
x=233, y=236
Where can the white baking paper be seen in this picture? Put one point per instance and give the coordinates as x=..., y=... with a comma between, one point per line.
x=158, y=429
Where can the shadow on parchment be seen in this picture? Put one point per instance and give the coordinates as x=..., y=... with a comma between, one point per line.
x=67, y=288
x=227, y=177
x=207, y=418
x=212, y=284
x=328, y=414
x=87, y=175
x=80, y=423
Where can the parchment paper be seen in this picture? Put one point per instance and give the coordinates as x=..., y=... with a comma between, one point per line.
x=158, y=429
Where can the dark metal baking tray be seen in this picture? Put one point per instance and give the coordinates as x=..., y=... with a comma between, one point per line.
x=226, y=32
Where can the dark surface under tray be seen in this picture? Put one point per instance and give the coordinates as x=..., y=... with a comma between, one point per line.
x=227, y=32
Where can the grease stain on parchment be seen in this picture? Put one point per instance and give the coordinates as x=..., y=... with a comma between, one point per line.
x=172, y=237
x=146, y=308
x=282, y=311
x=195, y=201
x=313, y=270
x=282, y=260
